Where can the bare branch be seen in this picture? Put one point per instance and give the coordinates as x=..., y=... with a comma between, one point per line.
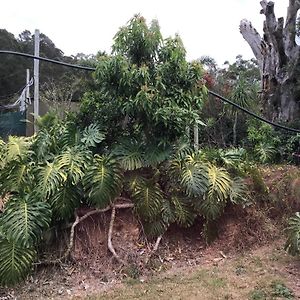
x=252, y=37
x=290, y=26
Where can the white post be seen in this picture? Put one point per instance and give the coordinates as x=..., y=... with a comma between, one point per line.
x=27, y=96
x=196, y=137
x=36, y=77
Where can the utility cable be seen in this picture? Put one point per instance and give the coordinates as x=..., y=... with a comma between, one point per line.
x=47, y=60
x=252, y=113
x=210, y=92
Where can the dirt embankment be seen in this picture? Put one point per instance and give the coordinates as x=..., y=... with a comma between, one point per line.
x=241, y=232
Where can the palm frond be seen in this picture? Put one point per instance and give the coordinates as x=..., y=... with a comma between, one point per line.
x=103, y=180
x=15, y=261
x=24, y=219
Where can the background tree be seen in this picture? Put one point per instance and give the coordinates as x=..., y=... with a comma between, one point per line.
x=13, y=68
x=278, y=56
x=238, y=81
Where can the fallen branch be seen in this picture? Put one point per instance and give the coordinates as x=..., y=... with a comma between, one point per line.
x=109, y=240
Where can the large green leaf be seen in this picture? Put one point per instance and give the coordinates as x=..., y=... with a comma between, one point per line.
x=156, y=154
x=194, y=179
x=219, y=183
x=50, y=178
x=238, y=191
x=232, y=157
x=24, y=220
x=217, y=194
x=103, y=180
x=184, y=215
x=209, y=207
x=74, y=162
x=292, y=244
x=148, y=198
x=16, y=148
x=15, y=261
x=65, y=200
x=91, y=136
x=130, y=155
x=16, y=176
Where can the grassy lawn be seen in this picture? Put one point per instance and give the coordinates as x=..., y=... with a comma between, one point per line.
x=256, y=276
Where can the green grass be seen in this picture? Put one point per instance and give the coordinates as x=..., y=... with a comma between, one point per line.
x=247, y=277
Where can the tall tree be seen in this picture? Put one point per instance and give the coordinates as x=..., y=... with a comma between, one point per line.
x=278, y=55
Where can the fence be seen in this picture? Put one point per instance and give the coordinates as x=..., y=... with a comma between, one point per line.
x=12, y=123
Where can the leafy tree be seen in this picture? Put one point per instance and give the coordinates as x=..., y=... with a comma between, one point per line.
x=145, y=88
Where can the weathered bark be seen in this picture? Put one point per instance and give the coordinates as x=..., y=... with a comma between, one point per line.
x=278, y=57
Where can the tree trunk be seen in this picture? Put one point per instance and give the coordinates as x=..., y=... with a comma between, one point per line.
x=278, y=57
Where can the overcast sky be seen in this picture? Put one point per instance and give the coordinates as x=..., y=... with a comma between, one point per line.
x=207, y=27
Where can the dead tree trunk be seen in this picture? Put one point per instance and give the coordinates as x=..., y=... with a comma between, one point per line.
x=278, y=56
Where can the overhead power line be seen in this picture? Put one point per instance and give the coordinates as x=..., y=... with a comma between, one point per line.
x=210, y=92
x=47, y=60
x=252, y=113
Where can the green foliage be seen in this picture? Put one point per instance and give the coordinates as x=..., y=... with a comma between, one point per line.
x=126, y=141
x=191, y=175
x=103, y=180
x=293, y=231
x=15, y=261
x=130, y=155
x=24, y=220
x=148, y=198
x=146, y=89
x=264, y=152
x=44, y=176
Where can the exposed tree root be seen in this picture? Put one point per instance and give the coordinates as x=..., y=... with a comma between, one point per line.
x=109, y=240
x=155, y=248
x=85, y=216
